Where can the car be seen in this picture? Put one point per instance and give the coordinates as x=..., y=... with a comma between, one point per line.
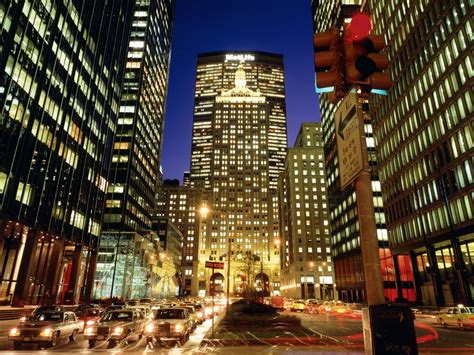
x=115, y=326
x=169, y=323
x=113, y=307
x=340, y=308
x=84, y=307
x=146, y=310
x=41, y=309
x=312, y=306
x=277, y=302
x=460, y=316
x=199, y=313
x=297, y=306
x=46, y=328
x=192, y=315
x=287, y=304
x=90, y=315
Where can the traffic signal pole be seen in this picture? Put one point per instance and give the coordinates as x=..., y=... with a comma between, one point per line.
x=369, y=244
x=350, y=67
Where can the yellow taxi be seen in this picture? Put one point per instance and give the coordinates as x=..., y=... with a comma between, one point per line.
x=460, y=316
x=297, y=306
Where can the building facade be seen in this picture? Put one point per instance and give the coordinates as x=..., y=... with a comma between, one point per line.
x=305, y=237
x=59, y=106
x=239, y=145
x=170, y=281
x=182, y=205
x=215, y=73
x=348, y=266
x=135, y=175
x=424, y=135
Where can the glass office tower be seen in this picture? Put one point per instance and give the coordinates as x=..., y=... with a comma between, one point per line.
x=424, y=133
x=59, y=104
x=135, y=175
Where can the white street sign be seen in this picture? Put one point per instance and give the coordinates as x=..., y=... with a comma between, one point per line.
x=349, y=129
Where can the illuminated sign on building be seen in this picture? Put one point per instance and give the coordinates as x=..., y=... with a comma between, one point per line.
x=241, y=57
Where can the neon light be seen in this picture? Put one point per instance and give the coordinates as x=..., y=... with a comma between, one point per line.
x=379, y=92
x=241, y=57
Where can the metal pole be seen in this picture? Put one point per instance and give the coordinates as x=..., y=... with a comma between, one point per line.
x=228, y=277
x=213, y=293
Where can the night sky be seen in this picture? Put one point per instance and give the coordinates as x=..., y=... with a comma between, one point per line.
x=278, y=26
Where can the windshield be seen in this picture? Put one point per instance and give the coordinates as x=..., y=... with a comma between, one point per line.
x=49, y=317
x=118, y=316
x=170, y=314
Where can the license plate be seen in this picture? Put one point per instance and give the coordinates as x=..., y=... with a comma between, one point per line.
x=100, y=337
x=27, y=339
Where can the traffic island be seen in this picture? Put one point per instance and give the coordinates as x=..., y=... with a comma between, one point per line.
x=252, y=323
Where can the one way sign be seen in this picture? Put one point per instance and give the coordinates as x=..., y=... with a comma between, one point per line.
x=349, y=133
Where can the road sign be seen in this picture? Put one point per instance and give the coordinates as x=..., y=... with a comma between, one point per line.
x=214, y=265
x=349, y=130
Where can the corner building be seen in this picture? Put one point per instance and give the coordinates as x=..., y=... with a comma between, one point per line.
x=350, y=279
x=135, y=175
x=424, y=133
x=238, y=151
x=59, y=101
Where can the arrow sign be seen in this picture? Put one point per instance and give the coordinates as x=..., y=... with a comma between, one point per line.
x=343, y=122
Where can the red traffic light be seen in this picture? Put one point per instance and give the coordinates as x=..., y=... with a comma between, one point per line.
x=360, y=26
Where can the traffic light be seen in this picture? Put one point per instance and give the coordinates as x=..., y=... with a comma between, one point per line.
x=363, y=61
x=327, y=61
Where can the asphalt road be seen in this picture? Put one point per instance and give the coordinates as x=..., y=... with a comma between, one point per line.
x=133, y=346
x=345, y=332
x=431, y=337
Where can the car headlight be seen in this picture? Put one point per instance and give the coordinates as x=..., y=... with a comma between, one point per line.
x=200, y=315
x=89, y=330
x=178, y=327
x=14, y=332
x=23, y=319
x=46, y=332
x=90, y=322
x=150, y=328
x=117, y=331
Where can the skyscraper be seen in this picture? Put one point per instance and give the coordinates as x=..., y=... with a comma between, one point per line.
x=348, y=266
x=306, y=260
x=135, y=174
x=424, y=135
x=238, y=150
x=59, y=102
x=215, y=73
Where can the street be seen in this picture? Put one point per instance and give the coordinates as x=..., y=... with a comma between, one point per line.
x=134, y=346
x=431, y=337
x=344, y=332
